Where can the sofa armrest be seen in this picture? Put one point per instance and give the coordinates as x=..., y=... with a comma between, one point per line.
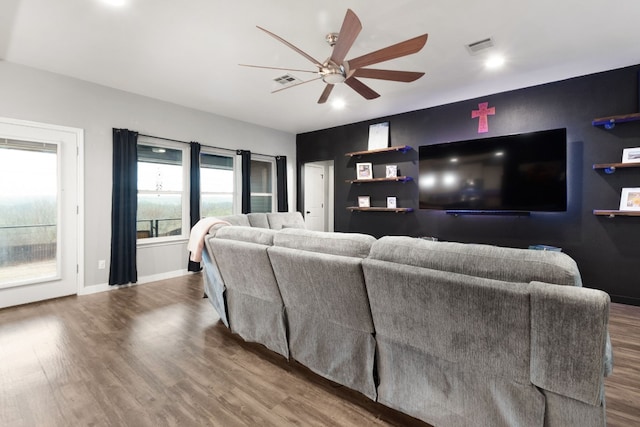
x=569, y=340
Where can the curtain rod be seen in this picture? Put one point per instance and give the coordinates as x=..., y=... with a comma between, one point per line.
x=210, y=146
x=183, y=142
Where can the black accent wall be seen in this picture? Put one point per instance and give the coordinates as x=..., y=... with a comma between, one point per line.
x=607, y=250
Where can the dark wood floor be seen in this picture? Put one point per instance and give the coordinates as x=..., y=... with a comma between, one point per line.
x=156, y=355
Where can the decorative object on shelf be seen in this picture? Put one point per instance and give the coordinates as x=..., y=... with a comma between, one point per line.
x=378, y=136
x=631, y=155
x=630, y=199
x=392, y=171
x=364, y=201
x=391, y=202
x=364, y=171
x=483, y=112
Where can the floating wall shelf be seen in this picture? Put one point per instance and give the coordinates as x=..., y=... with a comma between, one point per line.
x=614, y=213
x=392, y=179
x=380, y=209
x=610, y=122
x=400, y=148
x=611, y=167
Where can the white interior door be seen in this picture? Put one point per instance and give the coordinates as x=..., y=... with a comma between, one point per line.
x=314, y=203
x=41, y=221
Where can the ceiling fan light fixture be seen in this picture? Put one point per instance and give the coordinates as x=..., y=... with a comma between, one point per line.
x=333, y=77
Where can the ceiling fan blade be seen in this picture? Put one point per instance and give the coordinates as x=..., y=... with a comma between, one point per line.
x=280, y=39
x=297, y=84
x=277, y=68
x=396, y=76
x=351, y=27
x=398, y=50
x=361, y=88
x=325, y=94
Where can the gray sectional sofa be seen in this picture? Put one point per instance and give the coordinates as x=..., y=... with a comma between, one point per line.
x=453, y=334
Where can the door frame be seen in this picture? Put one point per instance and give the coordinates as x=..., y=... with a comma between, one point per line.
x=78, y=134
x=329, y=189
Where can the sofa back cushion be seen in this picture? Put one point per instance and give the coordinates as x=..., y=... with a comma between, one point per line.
x=280, y=220
x=321, y=273
x=344, y=244
x=475, y=323
x=239, y=219
x=489, y=262
x=233, y=247
x=261, y=236
x=569, y=338
x=258, y=219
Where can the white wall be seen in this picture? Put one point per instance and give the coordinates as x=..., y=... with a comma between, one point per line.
x=30, y=94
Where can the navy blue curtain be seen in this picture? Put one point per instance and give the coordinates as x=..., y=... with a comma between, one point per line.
x=281, y=180
x=246, y=180
x=194, y=194
x=124, y=208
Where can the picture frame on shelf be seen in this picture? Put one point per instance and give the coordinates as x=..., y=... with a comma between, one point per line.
x=631, y=155
x=364, y=201
x=391, y=202
x=378, y=136
x=392, y=171
x=630, y=199
x=364, y=171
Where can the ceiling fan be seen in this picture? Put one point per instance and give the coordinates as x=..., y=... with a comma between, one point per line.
x=337, y=70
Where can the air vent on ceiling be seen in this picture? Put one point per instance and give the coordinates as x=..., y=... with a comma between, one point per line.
x=287, y=80
x=477, y=47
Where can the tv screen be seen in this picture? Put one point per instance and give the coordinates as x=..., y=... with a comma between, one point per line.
x=521, y=173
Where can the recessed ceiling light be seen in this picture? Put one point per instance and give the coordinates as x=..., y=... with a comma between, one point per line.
x=494, y=62
x=117, y=3
x=338, y=104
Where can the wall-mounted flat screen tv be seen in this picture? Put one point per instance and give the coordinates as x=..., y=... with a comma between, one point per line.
x=514, y=173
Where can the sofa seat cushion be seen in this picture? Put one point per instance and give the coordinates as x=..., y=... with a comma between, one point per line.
x=489, y=262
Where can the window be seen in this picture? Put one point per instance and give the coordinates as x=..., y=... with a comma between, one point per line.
x=263, y=194
x=217, y=179
x=162, y=191
x=29, y=221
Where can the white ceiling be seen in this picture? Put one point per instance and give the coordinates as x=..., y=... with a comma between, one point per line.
x=187, y=52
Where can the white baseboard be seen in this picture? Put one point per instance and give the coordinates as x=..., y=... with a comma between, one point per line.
x=104, y=287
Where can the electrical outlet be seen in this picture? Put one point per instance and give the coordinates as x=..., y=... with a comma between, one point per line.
x=102, y=264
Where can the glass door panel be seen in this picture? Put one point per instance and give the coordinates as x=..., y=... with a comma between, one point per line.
x=29, y=194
